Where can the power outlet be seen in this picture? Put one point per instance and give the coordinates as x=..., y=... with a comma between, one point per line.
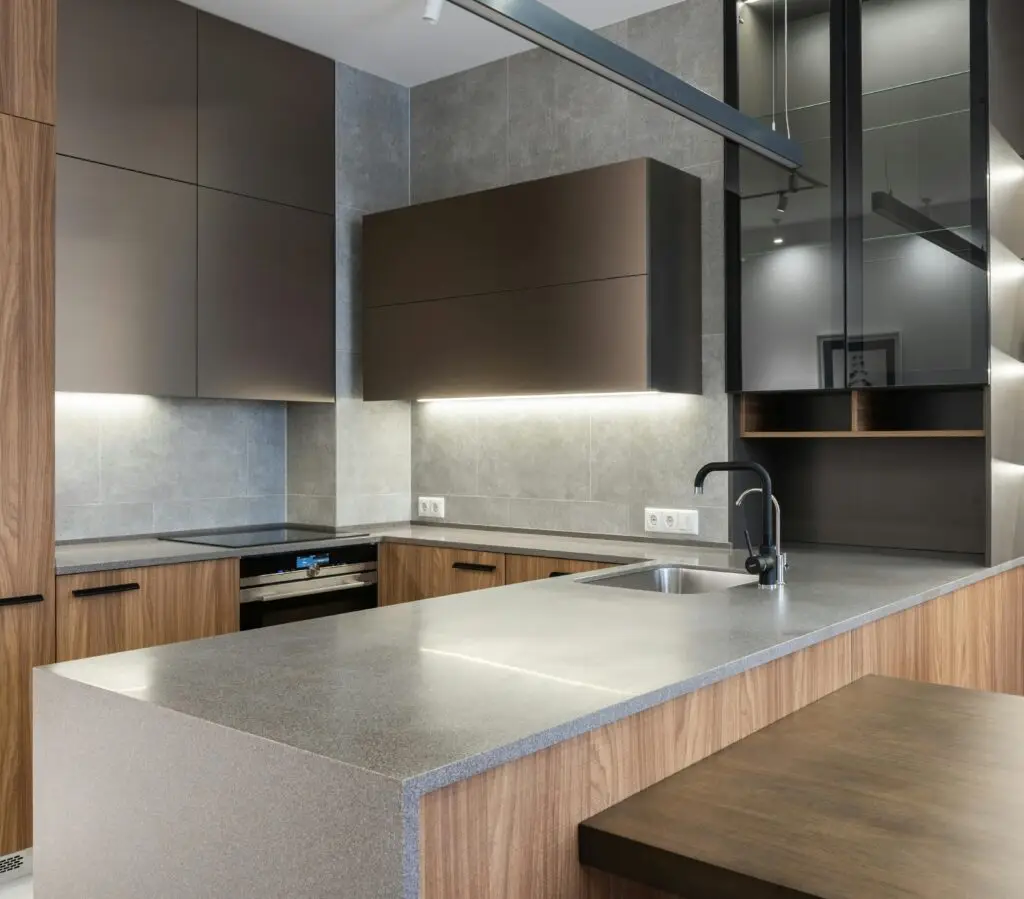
x=672, y=521
x=431, y=506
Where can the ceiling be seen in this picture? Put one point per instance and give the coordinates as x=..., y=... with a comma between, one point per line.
x=389, y=37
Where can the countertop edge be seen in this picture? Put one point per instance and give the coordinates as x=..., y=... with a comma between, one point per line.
x=195, y=553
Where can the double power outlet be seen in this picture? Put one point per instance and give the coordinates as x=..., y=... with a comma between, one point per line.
x=672, y=521
x=431, y=507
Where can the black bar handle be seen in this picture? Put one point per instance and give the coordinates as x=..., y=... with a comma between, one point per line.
x=21, y=600
x=559, y=574
x=86, y=592
x=473, y=566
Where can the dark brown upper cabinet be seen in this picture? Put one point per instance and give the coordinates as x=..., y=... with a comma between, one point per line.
x=127, y=84
x=126, y=281
x=266, y=117
x=266, y=300
x=581, y=283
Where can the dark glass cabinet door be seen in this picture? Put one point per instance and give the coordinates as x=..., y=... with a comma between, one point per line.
x=921, y=317
x=789, y=242
x=866, y=269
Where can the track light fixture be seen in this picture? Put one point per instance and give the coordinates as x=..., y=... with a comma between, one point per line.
x=432, y=11
x=783, y=204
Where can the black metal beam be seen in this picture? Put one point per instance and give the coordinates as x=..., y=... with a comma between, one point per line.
x=547, y=28
x=916, y=222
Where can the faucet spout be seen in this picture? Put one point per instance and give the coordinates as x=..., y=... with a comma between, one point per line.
x=766, y=490
x=764, y=564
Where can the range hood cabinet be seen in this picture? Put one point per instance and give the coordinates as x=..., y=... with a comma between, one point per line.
x=582, y=283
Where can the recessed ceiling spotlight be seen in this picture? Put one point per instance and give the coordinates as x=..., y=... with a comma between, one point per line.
x=432, y=11
x=778, y=241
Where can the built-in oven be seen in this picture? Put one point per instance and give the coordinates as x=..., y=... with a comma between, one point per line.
x=304, y=584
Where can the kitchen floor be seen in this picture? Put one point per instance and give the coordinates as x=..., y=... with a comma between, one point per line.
x=17, y=889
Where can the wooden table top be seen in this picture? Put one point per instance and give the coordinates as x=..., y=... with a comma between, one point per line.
x=885, y=789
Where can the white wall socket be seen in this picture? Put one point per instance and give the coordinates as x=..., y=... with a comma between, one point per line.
x=431, y=506
x=672, y=521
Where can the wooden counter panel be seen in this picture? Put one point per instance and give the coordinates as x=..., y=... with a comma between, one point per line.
x=510, y=833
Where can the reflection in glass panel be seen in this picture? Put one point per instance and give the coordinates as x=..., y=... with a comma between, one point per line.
x=792, y=298
x=923, y=272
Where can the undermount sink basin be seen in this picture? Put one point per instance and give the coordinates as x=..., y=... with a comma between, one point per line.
x=674, y=579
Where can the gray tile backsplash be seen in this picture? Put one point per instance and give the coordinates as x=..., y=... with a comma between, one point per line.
x=581, y=465
x=129, y=465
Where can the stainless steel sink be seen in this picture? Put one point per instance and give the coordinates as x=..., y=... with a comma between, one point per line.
x=674, y=579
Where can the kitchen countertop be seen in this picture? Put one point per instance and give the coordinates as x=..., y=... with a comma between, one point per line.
x=99, y=555
x=429, y=693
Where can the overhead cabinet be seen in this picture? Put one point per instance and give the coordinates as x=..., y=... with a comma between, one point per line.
x=127, y=84
x=195, y=238
x=126, y=281
x=266, y=117
x=580, y=283
x=266, y=300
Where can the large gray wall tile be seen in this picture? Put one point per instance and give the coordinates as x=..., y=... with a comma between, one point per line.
x=563, y=118
x=119, y=458
x=111, y=520
x=316, y=510
x=267, y=439
x=459, y=140
x=541, y=453
x=445, y=449
x=311, y=449
x=477, y=510
x=372, y=121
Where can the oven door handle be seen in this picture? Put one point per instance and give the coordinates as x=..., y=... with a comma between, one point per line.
x=309, y=587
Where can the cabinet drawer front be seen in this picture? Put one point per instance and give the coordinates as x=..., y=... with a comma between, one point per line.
x=467, y=570
x=115, y=611
x=520, y=569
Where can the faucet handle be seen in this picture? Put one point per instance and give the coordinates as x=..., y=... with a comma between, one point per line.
x=750, y=546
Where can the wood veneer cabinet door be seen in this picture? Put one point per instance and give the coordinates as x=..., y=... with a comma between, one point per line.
x=28, y=41
x=520, y=569
x=410, y=572
x=26, y=425
x=26, y=641
x=115, y=611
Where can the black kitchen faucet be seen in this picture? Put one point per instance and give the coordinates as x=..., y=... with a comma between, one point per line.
x=765, y=562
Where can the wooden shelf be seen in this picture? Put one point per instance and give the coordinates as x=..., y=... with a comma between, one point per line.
x=940, y=413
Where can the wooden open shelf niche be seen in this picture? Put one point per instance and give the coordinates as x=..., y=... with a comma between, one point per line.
x=890, y=413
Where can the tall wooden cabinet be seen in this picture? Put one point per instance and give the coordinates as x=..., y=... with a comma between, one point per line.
x=27, y=29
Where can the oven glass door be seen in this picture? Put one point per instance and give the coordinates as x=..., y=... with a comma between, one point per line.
x=266, y=606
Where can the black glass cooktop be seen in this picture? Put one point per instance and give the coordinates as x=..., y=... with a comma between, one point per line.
x=261, y=537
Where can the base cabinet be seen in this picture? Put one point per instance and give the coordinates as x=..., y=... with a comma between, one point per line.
x=520, y=569
x=410, y=572
x=26, y=640
x=115, y=611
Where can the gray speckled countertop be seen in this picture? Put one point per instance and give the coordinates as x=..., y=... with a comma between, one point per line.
x=432, y=692
x=99, y=555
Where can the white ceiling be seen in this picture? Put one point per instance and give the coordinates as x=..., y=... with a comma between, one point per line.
x=389, y=37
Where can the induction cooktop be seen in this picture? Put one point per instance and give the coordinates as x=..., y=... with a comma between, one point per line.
x=262, y=537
